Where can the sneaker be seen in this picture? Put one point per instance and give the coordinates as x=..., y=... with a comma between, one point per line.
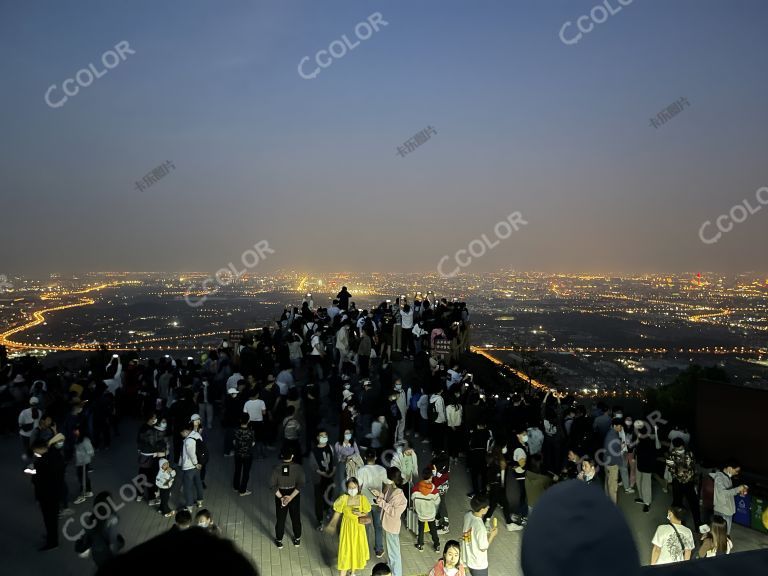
x=79, y=500
x=629, y=491
x=380, y=554
x=425, y=441
x=89, y=494
x=199, y=503
x=297, y=542
x=513, y=527
x=419, y=547
x=169, y=514
x=155, y=502
x=279, y=544
x=639, y=501
x=470, y=495
x=436, y=547
x=139, y=498
x=646, y=508
x=246, y=493
x=443, y=530
x=66, y=512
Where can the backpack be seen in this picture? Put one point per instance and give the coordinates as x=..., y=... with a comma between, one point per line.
x=291, y=429
x=432, y=410
x=201, y=451
x=353, y=464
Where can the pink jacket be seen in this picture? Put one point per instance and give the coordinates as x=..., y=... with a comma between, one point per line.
x=438, y=570
x=392, y=508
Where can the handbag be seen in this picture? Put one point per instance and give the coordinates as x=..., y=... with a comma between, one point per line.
x=365, y=520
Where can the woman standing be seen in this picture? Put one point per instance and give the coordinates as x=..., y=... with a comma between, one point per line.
x=345, y=450
x=450, y=564
x=351, y=508
x=717, y=542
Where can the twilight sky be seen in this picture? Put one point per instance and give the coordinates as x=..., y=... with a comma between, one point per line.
x=524, y=122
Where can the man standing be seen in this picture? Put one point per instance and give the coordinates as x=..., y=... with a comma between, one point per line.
x=286, y=482
x=672, y=541
x=725, y=504
x=46, y=492
x=323, y=463
x=190, y=466
x=682, y=467
x=613, y=449
x=371, y=478
x=437, y=421
x=399, y=433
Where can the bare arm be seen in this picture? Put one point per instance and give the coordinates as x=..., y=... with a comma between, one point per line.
x=655, y=554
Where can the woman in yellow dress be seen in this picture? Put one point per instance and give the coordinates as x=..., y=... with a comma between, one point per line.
x=353, y=541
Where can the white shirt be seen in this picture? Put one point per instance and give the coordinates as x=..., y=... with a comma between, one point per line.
x=371, y=476
x=315, y=344
x=666, y=539
x=233, y=380
x=406, y=318
x=255, y=409
x=474, y=545
x=189, y=451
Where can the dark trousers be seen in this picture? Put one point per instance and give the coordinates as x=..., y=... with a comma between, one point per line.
x=437, y=436
x=432, y=532
x=294, y=508
x=144, y=490
x=497, y=495
x=365, y=366
x=407, y=341
x=84, y=479
x=229, y=439
x=50, y=509
x=522, y=506
x=687, y=491
x=242, y=473
x=323, y=496
x=165, y=495
x=478, y=471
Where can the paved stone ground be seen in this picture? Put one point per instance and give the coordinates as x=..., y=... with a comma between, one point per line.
x=249, y=521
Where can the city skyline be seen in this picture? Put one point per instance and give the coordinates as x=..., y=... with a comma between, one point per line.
x=195, y=132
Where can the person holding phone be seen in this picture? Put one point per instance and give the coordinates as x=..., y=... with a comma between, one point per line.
x=392, y=502
x=350, y=508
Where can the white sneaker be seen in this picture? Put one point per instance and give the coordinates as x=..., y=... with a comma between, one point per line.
x=629, y=491
x=79, y=500
x=512, y=527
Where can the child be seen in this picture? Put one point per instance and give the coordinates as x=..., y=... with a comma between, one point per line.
x=204, y=520
x=83, y=458
x=426, y=501
x=476, y=537
x=450, y=564
x=441, y=476
x=164, y=481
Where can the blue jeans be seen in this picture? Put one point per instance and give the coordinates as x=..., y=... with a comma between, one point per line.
x=393, y=553
x=193, y=486
x=378, y=544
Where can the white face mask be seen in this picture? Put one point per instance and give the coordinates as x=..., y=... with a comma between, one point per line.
x=504, y=450
x=323, y=440
x=524, y=438
x=352, y=492
x=347, y=437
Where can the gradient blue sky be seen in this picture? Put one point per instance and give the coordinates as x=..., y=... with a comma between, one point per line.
x=524, y=123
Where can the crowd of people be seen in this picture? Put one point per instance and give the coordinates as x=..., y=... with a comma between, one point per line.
x=316, y=373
